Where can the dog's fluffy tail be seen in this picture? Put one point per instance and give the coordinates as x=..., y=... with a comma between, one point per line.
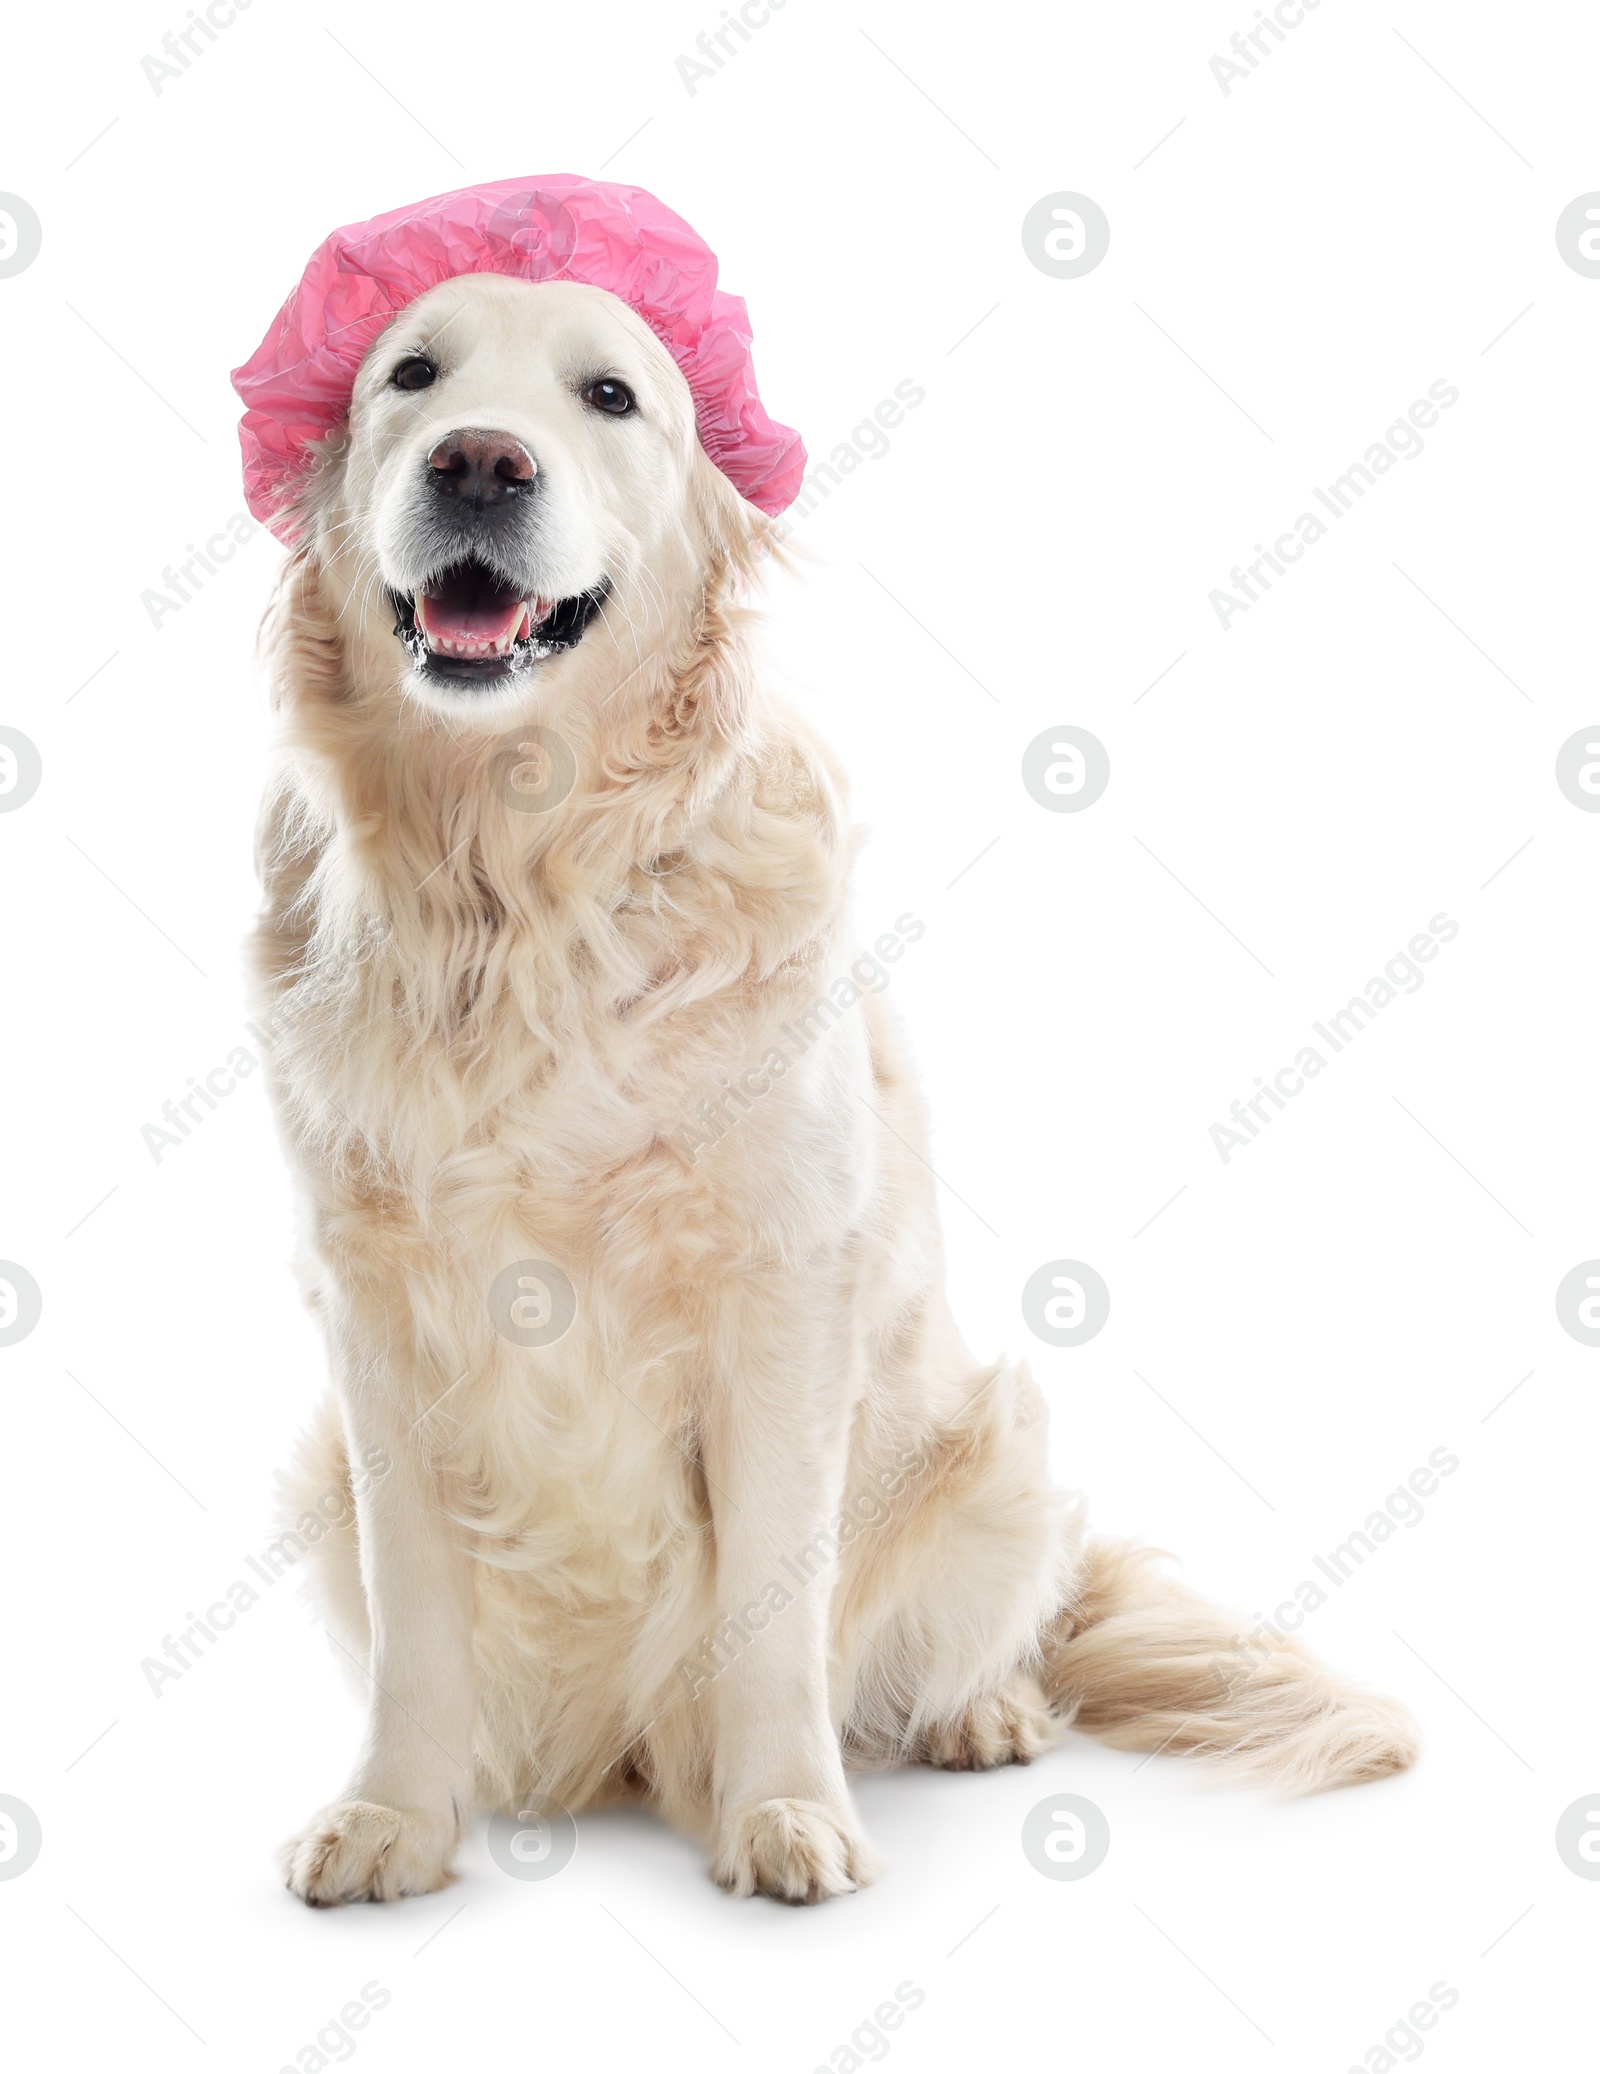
x=1144, y=1663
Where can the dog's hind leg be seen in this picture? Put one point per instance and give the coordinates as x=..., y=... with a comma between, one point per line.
x=946, y=1592
x=1012, y=1725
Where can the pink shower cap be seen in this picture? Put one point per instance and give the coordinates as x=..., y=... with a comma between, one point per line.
x=296, y=386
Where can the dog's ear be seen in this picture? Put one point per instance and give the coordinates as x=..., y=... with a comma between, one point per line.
x=738, y=540
x=700, y=701
x=298, y=643
x=315, y=510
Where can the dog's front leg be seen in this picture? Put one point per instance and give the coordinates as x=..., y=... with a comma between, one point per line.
x=785, y=1384
x=396, y=1826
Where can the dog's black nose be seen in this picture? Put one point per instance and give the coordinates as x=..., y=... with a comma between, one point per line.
x=481, y=468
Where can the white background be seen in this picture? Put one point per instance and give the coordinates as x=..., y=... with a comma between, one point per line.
x=1365, y=214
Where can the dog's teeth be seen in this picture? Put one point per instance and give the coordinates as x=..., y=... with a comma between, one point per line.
x=485, y=648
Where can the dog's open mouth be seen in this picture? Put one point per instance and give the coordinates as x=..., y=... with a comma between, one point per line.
x=468, y=624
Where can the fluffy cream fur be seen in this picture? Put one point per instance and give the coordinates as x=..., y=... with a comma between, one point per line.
x=579, y=1572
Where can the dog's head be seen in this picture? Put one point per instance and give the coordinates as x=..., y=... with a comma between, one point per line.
x=520, y=491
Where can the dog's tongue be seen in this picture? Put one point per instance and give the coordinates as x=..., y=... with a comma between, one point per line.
x=468, y=612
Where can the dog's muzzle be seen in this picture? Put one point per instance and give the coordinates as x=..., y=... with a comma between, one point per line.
x=472, y=620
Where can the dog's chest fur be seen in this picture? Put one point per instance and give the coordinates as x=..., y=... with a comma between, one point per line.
x=491, y=1039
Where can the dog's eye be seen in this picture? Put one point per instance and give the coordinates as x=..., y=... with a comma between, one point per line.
x=616, y=399
x=415, y=373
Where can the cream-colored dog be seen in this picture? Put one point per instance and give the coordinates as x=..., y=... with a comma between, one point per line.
x=675, y=1478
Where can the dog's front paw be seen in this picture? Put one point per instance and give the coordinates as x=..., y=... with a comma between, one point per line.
x=794, y=1850
x=358, y=1851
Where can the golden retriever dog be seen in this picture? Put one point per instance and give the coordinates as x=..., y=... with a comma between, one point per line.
x=663, y=1471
